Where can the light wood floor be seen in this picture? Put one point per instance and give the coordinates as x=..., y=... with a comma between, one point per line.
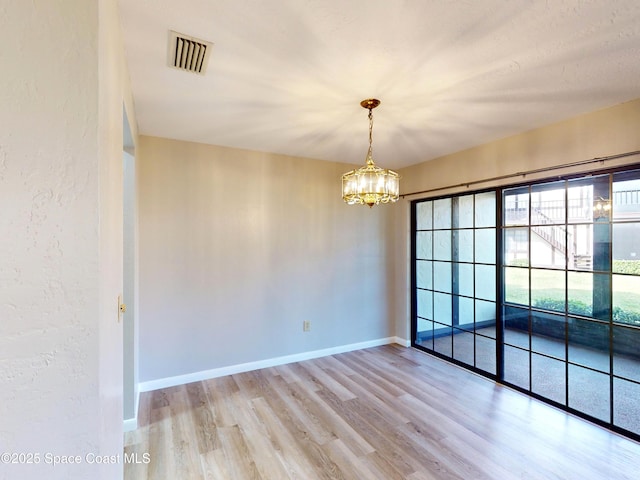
x=382, y=413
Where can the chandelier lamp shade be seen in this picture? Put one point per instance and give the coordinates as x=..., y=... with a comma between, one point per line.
x=370, y=184
x=601, y=208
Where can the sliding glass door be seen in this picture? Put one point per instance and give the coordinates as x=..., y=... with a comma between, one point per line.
x=556, y=312
x=455, y=278
x=557, y=301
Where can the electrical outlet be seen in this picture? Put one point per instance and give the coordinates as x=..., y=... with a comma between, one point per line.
x=306, y=326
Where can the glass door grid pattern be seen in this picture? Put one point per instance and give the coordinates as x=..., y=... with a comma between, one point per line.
x=455, y=278
x=568, y=285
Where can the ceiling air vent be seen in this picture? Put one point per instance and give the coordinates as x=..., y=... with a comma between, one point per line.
x=188, y=53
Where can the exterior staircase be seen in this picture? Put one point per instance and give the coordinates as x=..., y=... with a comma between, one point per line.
x=556, y=236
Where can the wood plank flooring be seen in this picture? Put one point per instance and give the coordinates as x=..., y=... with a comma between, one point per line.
x=383, y=413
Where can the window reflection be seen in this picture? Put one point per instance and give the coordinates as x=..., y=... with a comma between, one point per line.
x=424, y=215
x=442, y=308
x=442, y=276
x=485, y=245
x=464, y=218
x=442, y=245
x=466, y=315
x=485, y=282
x=465, y=279
x=485, y=210
x=442, y=213
x=464, y=245
x=425, y=304
x=424, y=246
x=424, y=274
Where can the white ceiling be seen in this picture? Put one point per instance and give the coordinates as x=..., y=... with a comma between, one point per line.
x=287, y=76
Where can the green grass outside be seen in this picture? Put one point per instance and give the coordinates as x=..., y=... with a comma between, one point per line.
x=550, y=285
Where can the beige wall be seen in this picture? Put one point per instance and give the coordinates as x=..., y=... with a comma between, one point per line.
x=237, y=248
x=605, y=132
x=611, y=131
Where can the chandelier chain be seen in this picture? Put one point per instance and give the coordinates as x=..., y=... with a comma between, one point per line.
x=370, y=153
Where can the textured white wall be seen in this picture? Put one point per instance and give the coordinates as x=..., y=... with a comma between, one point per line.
x=111, y=73
x=237, y=248
x=605, y=132
x=61, y=240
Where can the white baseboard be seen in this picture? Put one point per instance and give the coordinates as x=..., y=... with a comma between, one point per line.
x=151, y=385
x=130, y=424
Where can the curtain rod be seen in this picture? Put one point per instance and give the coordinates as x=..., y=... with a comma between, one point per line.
x=528, y=172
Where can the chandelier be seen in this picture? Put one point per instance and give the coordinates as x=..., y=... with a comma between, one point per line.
x=601, y=208
x=370, y=184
